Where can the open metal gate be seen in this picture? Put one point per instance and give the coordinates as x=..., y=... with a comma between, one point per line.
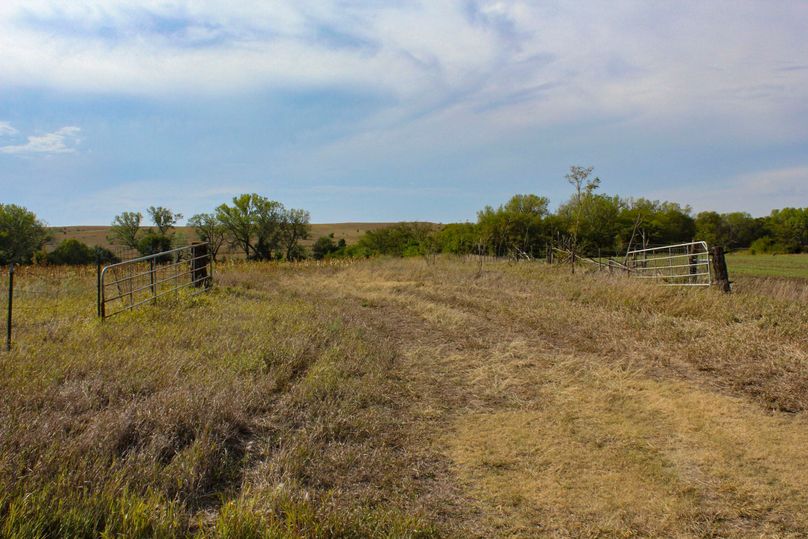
x=684, y=264
x=126, y=285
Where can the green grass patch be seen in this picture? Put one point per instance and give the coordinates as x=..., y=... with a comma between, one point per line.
x=791, y=266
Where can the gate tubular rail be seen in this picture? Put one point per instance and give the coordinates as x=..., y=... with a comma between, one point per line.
x=658, y=263
x=146, y=278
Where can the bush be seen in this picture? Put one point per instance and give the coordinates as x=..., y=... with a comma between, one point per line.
x=767, y=245
x=72, y=252
x=152, y=243
x=323, y=247
x=21, y=234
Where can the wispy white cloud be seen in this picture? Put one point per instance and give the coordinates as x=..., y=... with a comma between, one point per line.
x=63, y=140
x=516, y=61
x=7, y=129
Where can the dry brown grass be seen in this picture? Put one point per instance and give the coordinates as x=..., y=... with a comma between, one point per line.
x=392, y=398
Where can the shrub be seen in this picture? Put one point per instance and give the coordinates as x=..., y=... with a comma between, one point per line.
x=767, y=245
x=152, y=243
x=73, y=252
x=21, y=234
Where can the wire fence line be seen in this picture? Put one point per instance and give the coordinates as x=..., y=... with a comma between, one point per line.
x=44, y=297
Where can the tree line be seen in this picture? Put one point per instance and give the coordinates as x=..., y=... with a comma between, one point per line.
x=589, y=223
x=262, y=229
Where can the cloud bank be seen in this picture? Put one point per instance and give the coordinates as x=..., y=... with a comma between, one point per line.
x=518, y=61
x=63, y=140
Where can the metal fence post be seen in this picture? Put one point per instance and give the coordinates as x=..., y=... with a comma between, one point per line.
x=10, y=304
x=151, y=279
x=98, y=284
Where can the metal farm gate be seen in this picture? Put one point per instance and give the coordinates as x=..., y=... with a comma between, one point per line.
x=684, y=264
x=125, y=285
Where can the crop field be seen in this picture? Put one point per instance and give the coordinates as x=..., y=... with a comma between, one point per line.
x=792, y=266
x=400, y=398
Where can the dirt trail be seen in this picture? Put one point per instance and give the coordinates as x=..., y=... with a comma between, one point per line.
x=519, y=427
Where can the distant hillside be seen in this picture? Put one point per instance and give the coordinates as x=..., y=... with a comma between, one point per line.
x=97, y=235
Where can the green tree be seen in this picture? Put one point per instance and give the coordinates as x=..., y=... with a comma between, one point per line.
x=742, y=228
x=458, y=238
x=789, y=228
x=599, y=225
x=492, y=226
x=673, y=224
x=584, y=187
x=164, y=219
x=152, y=243
x=711, y=228
x=253, y=223
x=523, y=216
x=401, y=239
x=323, y=247
x=125, y=229
x=208, y=228
x=239, y=222
x=643, y=223
x=21, y=234
x=268, y=216
x=294, y=227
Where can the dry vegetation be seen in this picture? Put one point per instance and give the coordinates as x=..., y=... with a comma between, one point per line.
x=399, y=398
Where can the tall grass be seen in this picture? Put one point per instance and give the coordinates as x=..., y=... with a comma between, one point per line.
x=395, y=398
x=235, y=413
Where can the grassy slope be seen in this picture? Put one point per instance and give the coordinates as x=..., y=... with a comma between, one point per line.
x=97, y=235
x=399, y=398
x=792, y=266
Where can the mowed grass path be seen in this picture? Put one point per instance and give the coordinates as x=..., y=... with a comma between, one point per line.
x=397, y=398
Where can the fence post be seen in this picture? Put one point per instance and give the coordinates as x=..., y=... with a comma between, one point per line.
x=549, y=253
x=720, y=269
x=10, y=304
x=151, y=279
x=98, y=284
x=199, y=264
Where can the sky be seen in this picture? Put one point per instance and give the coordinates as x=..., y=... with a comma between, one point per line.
x=398, y=110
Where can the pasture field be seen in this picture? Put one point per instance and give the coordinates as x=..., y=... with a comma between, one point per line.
x=761, y=265
x=397, y=398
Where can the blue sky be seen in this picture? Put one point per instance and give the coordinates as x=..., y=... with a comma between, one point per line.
x=386, y=111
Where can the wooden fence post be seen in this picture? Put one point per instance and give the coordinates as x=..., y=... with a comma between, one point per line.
x=199, y=264
x=98, y=282
x=720, y=269
x=549, y=253
x=10, y=304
